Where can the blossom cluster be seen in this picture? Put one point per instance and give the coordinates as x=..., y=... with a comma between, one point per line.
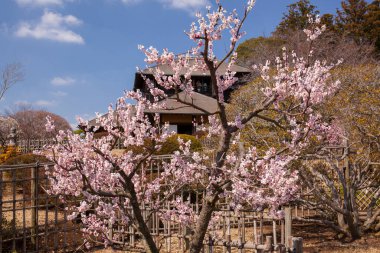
x=109, y=183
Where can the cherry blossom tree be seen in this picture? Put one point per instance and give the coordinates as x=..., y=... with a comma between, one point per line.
x=114, y=187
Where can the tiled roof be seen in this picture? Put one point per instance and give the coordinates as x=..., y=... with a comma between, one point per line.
x=196, y=104
x=167, y=69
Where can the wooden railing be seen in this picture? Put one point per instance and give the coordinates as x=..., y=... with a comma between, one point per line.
x=33, y=221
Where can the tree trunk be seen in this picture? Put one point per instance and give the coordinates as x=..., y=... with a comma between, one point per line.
x=197, y=238
x=348, y=222
x=149, y=244
x=353, y=227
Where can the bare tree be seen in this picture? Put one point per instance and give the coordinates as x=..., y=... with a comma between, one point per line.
x=11, y=74
x=332, y=47
x=344, y=180
x=32, y=123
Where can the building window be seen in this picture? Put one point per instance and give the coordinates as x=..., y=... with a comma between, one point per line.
x=204, y=88
x=202, y=85
x=185, y=129
x=199, y=86
x=173, y=128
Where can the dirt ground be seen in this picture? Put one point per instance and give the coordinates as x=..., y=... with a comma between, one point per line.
x=317, y=239
x=322, y=239
x=23, y=211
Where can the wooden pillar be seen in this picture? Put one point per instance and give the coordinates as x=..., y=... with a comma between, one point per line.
x=288, y=226
x=297, y=245
x=33, y=202
x=268, y=244
x=1, y=211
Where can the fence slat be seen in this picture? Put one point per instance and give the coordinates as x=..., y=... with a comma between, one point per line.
x=22, y=200
x=1, y=211
x=297, y=245
x=44, y=231
x=288, y=226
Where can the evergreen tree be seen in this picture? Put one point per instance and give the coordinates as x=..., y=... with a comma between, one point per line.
x=296, y=18
x=328, y=20
x=372, y=23
x=350, y=20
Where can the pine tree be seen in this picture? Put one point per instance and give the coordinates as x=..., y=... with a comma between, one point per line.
x=350, y=20
x=296, y=18
x=372, y=23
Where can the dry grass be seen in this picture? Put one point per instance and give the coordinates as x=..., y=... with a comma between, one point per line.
x=349, y=250
x=366, y=245
x=370, y=250
x=317, y=239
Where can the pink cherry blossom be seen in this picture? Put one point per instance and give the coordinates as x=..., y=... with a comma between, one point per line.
x=114, y=187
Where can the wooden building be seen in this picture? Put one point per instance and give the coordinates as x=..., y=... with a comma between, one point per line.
x=201, y=80
x=182, y=110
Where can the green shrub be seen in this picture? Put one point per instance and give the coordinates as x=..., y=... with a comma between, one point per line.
x=170, y=145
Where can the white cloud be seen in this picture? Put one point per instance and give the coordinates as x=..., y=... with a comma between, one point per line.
x=62, y=81
x=41, y=103
x=44, y=103
x=41, y=3
x=23, y=103
x=52, y=26
x=59, y=93
x=189, y=5
x=130, y=1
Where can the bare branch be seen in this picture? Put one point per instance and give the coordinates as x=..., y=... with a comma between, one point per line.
x=11, y=74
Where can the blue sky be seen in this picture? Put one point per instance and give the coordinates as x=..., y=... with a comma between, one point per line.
x=80, y=55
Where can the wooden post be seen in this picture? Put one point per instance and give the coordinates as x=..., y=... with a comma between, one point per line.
x=240, y=239
x=282, y=232
x=255, y=238
x=261, y=239
x=297, y=245
x=268, y=244
x=274, y=233
x=33, y=202
x=228, y=234
x=288, y=226
x=1, y=211
x=282, y=249
x=186, y=237
x=110, y=230
x=210, y=244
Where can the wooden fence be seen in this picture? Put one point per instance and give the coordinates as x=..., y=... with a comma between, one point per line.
x=244, y=231
x=28, y=146
x=248, y=230
x=33, y=221
x=363, y=198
